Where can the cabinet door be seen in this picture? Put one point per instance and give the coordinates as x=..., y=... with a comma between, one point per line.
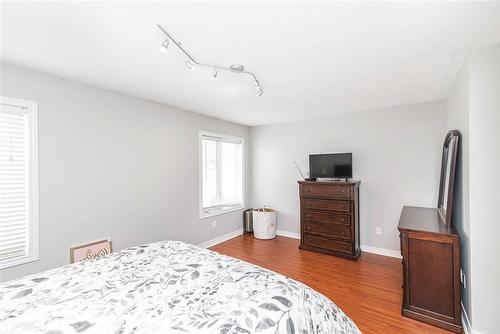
x=431, y=278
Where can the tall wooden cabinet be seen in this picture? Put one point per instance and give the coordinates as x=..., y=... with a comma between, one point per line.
x=329, y=217
x=431, y=269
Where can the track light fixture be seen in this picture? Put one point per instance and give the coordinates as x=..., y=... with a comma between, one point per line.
x=191, y=63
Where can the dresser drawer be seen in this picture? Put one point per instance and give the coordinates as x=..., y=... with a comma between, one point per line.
x=325, y=204
x=328, y=230
x=327, y=191
x=328, y=244
x=328, y=218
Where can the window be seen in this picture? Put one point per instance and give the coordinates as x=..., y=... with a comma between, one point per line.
x=221, y=174
x=18, y=182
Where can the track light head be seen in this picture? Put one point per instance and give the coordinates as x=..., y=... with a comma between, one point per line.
x=164, y=46
x=258, y=89
x=190, y=64
x=214, y=73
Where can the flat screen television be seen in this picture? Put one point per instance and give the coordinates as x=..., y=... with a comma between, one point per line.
x=332, y=166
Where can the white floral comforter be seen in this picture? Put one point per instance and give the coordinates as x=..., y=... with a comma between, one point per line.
x=166, y=287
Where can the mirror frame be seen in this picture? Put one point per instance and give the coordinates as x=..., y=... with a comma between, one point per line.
x=445, y=213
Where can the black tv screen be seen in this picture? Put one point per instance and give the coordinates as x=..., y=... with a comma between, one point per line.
x=335, y=165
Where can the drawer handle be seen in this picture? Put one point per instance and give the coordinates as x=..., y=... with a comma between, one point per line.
x=308, y=215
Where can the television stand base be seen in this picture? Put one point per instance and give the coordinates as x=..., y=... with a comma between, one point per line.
x=329, y=179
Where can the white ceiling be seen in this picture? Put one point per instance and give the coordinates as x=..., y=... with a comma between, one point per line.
x=313, y=59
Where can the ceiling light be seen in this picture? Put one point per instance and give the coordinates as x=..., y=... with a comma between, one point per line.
x=258, y=89
x=164, y=46
x=190, y=64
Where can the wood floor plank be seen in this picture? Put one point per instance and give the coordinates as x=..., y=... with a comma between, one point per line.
x=368, y=290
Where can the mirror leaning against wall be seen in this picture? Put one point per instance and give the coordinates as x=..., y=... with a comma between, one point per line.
x=447, y=180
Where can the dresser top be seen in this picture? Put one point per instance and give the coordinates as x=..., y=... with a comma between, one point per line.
x=423, y=220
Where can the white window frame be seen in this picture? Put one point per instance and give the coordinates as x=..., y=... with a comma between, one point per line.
x=33, y=214
x=228, y=208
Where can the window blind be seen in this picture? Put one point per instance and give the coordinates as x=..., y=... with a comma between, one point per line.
x=14, y=181
x=221, y=173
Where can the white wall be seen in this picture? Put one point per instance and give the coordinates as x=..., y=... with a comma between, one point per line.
x=396, y=155
x=485, y=187
x=457, y=117
x=113, y=166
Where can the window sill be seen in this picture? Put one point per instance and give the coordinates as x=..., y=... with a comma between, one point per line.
x=221, y=212
x=15, y=261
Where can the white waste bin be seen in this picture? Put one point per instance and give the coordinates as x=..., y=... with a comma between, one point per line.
x=264, y=223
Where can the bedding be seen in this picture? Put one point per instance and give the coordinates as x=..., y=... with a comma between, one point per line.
x=166, y=287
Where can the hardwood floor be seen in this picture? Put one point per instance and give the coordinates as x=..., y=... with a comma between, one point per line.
x=368, y=290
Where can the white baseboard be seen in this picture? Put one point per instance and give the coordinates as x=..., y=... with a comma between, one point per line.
x=230, y=235
x=220, y=239
x=295, y=235
x=381, y=251
x=364, y=248
x=288, y=234
x=466, y=323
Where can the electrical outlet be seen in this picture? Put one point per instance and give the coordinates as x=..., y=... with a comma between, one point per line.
x=378, y=230
x=214, y=224
x=463, y=279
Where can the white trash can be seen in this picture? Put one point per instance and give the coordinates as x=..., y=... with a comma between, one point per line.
x=264, y=223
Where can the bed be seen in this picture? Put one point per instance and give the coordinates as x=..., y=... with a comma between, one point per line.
x=166, y=287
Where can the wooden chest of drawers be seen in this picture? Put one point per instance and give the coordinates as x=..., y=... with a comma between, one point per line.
x=431, y=269
x=329, y=217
